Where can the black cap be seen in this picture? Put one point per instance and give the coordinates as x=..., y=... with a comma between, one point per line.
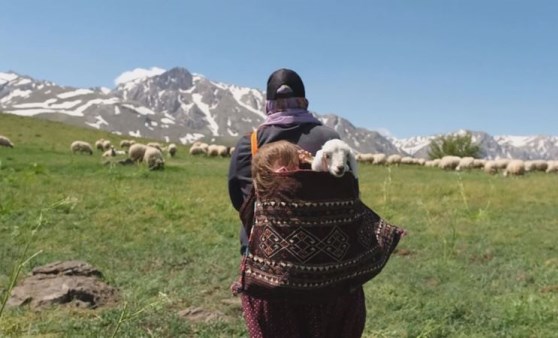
x=284, y=83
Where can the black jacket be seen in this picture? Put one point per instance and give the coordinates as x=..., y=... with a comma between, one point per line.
x=308, y=136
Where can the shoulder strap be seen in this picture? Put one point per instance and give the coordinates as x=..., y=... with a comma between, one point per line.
x=254, y=142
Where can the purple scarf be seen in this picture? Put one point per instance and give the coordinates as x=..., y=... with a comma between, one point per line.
x=288, y=112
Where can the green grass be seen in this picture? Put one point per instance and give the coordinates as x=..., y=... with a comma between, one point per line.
x=480, y=259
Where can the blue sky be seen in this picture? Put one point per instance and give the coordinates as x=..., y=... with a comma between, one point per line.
x=409, y=68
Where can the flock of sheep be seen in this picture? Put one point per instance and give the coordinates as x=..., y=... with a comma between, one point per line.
x=201, y=148
x=508, y=167
x=152, y=155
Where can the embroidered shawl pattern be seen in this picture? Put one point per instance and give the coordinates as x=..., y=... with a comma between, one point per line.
x=312, y=238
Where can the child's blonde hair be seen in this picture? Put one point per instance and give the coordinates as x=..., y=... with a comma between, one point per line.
x=269, y=157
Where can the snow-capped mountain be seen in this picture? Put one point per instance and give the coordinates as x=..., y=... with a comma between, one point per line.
x=492, y=147
x=178, y=106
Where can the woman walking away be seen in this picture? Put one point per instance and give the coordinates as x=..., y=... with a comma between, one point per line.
x=339, y=315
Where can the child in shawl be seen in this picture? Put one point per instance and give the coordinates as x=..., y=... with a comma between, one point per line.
x=275, y=157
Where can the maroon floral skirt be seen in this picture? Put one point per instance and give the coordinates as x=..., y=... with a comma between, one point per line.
x=342, y=316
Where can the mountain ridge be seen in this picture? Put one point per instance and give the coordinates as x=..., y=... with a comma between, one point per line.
x=179, y=106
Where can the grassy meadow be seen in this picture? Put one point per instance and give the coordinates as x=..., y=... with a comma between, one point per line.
x=480, y=260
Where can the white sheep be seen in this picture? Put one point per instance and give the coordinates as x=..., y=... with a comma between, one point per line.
x=155, y=145
x=198, y=148
x=380, y=159
x=113, y=152
x=154, y=158
x=336, y=157
x=81, y=147
x=515, y=168
x=552, y=167
x=107, y=144
x=465, y=163
x=5, y=142
x=217, y=150
x=490, y=167
x=394, y=159
x=449, y=162
x=172, y=149
x=136, y=152
x=126, y=143
x=365, y=157
x=99, y=144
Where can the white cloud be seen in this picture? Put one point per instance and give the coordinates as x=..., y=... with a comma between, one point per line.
x=383, y=131
x=138, y=73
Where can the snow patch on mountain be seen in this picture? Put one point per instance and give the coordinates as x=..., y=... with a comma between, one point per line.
x=75, y=93
x=7, y=77
x=140, y=110
x=15, y=94
x=213, y=126
x=100, y=121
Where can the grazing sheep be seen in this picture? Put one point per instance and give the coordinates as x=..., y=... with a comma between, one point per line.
x=336, y=157
x=217, y=150
x=126, y=143
x=478, y=163
x=552, y=167
x=172, y=149
x=407, y=160
x=107, y=144
x=109, y=153
x=449, y=162
x=465, y=163
x=432, y=163
x=99, y=144
x=113, y=152
x=81, y=147
x=515, y=168
x=394, y=159
x=490, y=167
x=5, y=142
x=198, y=148
x=154, y=158
x=365, y=158
x=502, y=163
x=155, y=145
x=379, y=159
x=536, y=165
x=136, y=152
x=231, y=150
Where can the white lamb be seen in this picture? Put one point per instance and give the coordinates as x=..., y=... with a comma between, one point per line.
x=154, y=158
x=336, y=157
x=5, y=142
x=81, y=147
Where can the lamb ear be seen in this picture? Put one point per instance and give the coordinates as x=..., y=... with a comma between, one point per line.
x=317, y=162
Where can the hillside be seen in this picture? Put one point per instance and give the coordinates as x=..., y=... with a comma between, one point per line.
x=168, y=242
